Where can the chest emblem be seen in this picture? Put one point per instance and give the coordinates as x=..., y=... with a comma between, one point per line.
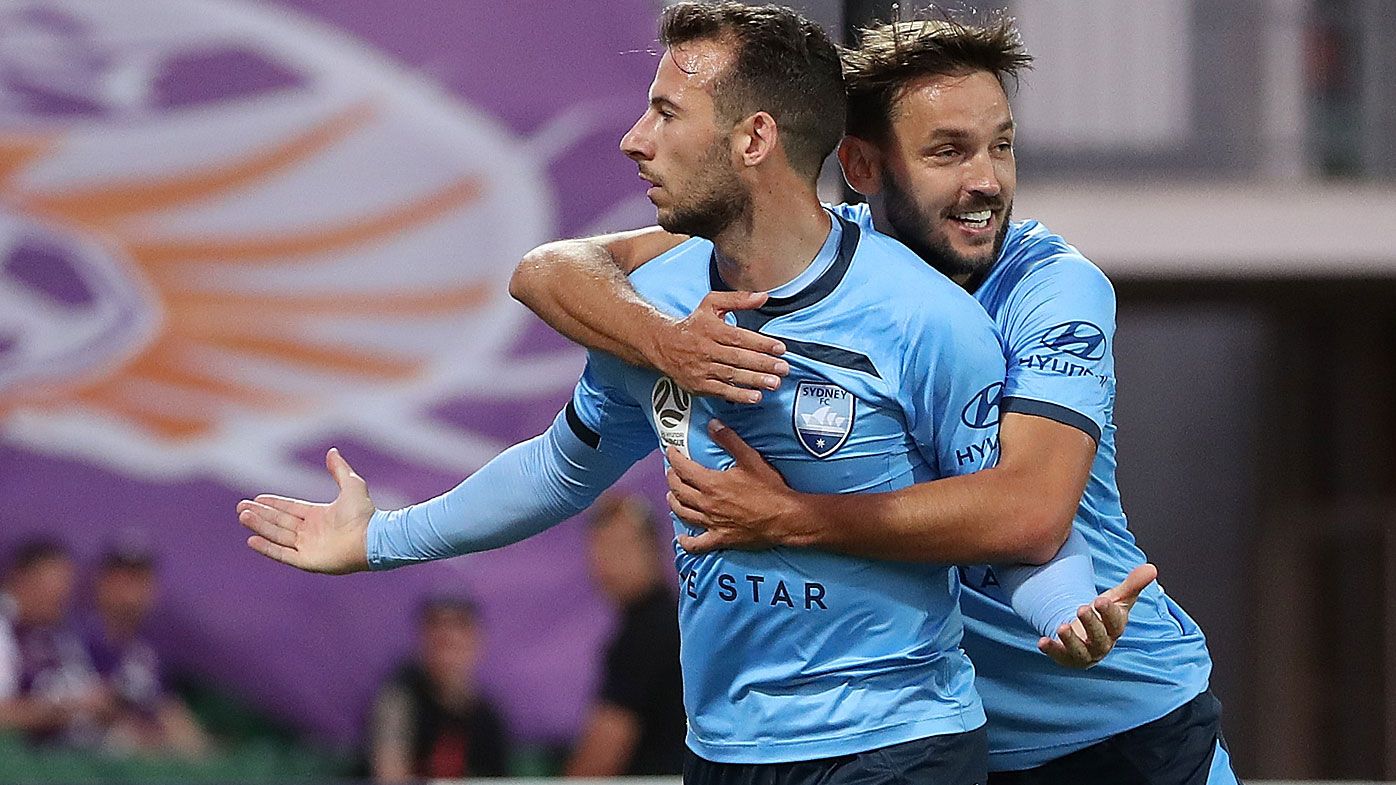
x=672, y=407
x=823, y=417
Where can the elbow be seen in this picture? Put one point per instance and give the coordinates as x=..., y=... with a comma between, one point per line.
x=1041, y=535
x=524, y=283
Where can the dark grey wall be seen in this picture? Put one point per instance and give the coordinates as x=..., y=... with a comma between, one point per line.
x=1189, y=377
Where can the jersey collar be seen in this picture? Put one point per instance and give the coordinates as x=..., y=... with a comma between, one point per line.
x=820, y=288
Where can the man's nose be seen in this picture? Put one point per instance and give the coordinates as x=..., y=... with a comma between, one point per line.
x=636, y=144
x=981, y=178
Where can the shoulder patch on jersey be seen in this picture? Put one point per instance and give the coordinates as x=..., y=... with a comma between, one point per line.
x=982, y=411
x=672, y=407
x=1076, y=338
x=823, y=417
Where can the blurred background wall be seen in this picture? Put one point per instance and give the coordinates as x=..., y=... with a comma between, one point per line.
x=235, y=232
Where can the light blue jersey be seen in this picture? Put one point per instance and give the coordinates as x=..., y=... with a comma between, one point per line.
x=789, y=654
x=1056, y=314
x=793, y=654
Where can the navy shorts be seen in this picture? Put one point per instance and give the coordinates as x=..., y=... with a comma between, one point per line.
x=1184, y=747
x=952, y=759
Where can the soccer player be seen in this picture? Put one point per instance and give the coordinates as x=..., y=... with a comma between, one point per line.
x=931, y=144
x=799, y=664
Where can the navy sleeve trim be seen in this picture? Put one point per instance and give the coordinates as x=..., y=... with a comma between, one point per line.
x=587, y=436
x=1052, y=411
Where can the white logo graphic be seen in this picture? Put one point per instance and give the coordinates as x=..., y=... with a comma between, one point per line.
x=672, y=407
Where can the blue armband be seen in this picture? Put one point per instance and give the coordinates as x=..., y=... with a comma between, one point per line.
x=1048, y=595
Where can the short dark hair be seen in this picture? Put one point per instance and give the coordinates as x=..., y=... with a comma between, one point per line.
x=890, y=56
x=613, y=503
x=130, y=550
x=783, y=64
x=434, y=606
x=37, y=550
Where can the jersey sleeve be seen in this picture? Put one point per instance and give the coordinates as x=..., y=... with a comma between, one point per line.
x=1059, y=338
x=951, y=385
x=525, y=489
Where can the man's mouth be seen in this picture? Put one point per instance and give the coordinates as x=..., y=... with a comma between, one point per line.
x=974, y=219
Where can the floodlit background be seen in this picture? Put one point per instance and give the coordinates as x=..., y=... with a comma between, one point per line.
x=235, y=232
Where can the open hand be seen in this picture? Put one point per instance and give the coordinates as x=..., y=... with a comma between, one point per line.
x=1085, y=641
x=329, y=538
x=705, y=355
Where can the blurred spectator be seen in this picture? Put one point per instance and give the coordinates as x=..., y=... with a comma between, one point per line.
x=48, y=687
x=147, y=718
x=636, y=723
x=430, y=720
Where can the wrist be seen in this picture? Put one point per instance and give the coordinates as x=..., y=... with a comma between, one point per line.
x=651, y=337
x=798, y=522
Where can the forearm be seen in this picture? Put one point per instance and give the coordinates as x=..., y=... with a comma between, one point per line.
x=989, y=516
x=522, y=491
x=578, y=289
x=1047, y=596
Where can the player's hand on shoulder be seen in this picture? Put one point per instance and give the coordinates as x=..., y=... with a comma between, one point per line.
x=329, y=538
x=705, y=355
x=1098, y=626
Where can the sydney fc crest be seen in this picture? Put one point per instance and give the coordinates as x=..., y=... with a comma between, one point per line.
x=823, y=417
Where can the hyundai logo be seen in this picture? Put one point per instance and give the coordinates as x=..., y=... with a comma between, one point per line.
x=982, y=411
x=1078, y=339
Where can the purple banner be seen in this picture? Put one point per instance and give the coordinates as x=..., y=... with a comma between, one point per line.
x=235, y=233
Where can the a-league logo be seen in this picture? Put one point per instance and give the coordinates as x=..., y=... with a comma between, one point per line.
x=823, y=417
x=672, y=407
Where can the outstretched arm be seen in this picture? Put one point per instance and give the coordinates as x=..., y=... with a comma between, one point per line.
x=522, y=491
x=579, y=288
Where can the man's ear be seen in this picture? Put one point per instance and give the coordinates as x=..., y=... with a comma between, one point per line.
x=755, y=139
x=862, y=165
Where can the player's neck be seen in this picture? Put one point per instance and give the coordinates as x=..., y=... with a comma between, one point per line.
x=775, y=242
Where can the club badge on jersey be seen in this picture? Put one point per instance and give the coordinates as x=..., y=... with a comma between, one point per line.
x=672, y=407
x=823, y=417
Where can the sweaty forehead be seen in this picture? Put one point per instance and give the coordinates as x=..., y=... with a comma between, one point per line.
x=692, y=64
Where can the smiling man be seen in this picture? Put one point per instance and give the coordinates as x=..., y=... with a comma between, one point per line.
x=931, y=144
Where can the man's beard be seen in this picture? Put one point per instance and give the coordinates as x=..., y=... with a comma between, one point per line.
x=715, y=198
x=916, y=233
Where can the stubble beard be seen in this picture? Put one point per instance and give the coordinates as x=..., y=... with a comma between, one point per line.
x=917, y=233
x=715, y=201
